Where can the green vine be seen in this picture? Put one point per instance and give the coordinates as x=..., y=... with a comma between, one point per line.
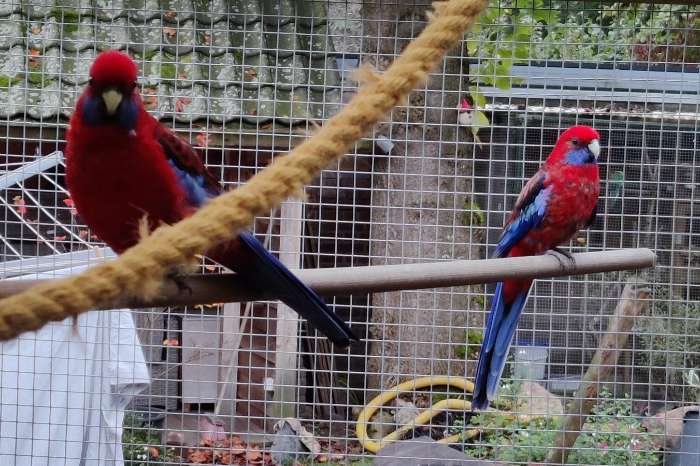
x=512, y=32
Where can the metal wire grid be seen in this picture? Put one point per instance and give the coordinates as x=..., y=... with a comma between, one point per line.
x=434, y=196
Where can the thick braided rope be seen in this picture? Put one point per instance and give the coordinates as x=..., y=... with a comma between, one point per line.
x=140, y=269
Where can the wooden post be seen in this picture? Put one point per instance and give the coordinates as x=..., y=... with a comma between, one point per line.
x=228, y=372
x=634, y=301
x=287, y=340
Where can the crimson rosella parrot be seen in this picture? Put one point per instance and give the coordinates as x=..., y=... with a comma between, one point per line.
x=555, y=203
x=122, y=165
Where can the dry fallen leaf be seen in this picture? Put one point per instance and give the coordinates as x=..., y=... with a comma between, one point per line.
x=199, y=456
x=253, y=455
x=222, y=457
x=170, y=32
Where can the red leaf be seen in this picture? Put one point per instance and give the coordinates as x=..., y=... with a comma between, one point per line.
x=181, y=102
x=202, y=140
x=20, y=205
x=68, y=202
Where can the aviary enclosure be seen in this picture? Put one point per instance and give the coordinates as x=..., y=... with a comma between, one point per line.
x=604, y=366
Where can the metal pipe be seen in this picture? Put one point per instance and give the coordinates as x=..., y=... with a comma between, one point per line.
x=222, y=288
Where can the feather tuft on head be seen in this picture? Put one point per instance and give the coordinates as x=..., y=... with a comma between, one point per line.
x=113, y=68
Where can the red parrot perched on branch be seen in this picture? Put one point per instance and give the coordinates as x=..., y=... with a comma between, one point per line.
x=558, y=200
x=122, y=165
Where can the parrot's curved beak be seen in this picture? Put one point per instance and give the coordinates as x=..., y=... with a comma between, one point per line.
x=594, y=148
x=112, y=99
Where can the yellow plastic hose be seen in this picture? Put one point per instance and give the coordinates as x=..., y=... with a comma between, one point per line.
x=420, y=420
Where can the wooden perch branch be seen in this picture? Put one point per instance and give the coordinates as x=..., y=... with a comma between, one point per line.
x=208, y=289
x=634, y=301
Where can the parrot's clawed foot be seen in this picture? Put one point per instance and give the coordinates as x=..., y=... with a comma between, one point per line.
x=179, y=279
x=569, y=264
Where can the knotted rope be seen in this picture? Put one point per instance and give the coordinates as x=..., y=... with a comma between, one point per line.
x=140, y=270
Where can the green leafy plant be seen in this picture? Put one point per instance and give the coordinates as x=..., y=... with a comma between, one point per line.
x=473, y=340
x=512, y=32
x=671, y=337
x=621, y=32
x=500, y=39
x=611, y=436
x=141, y=447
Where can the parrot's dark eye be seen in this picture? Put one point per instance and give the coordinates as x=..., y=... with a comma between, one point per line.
x=574, y=142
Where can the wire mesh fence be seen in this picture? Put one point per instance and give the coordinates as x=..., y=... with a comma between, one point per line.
x=244, y=81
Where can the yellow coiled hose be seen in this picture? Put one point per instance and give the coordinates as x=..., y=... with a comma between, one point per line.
x=420, y=420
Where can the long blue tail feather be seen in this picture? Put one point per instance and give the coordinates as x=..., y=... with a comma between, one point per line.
x=278, y=282
x=498, y=336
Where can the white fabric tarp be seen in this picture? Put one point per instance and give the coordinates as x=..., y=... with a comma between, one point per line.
x=63, y=395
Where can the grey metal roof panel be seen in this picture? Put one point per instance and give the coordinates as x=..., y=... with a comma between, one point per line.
x=209, y=12
x=250, y=60
x=109, y=10
x=245, y=11
x=140, y=11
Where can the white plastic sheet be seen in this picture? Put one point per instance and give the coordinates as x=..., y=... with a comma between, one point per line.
x=63, y=395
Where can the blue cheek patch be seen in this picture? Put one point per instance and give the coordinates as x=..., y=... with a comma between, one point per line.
x=579, y=157
x=94, y=113
x=128, y=113
x=91, y=112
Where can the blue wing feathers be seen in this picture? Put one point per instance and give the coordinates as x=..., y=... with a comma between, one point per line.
x=193, y=185
x=529, y=219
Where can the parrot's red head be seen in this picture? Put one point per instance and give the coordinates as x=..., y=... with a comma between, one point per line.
x=112, y=94
x=464, y=106
x=578, y=145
